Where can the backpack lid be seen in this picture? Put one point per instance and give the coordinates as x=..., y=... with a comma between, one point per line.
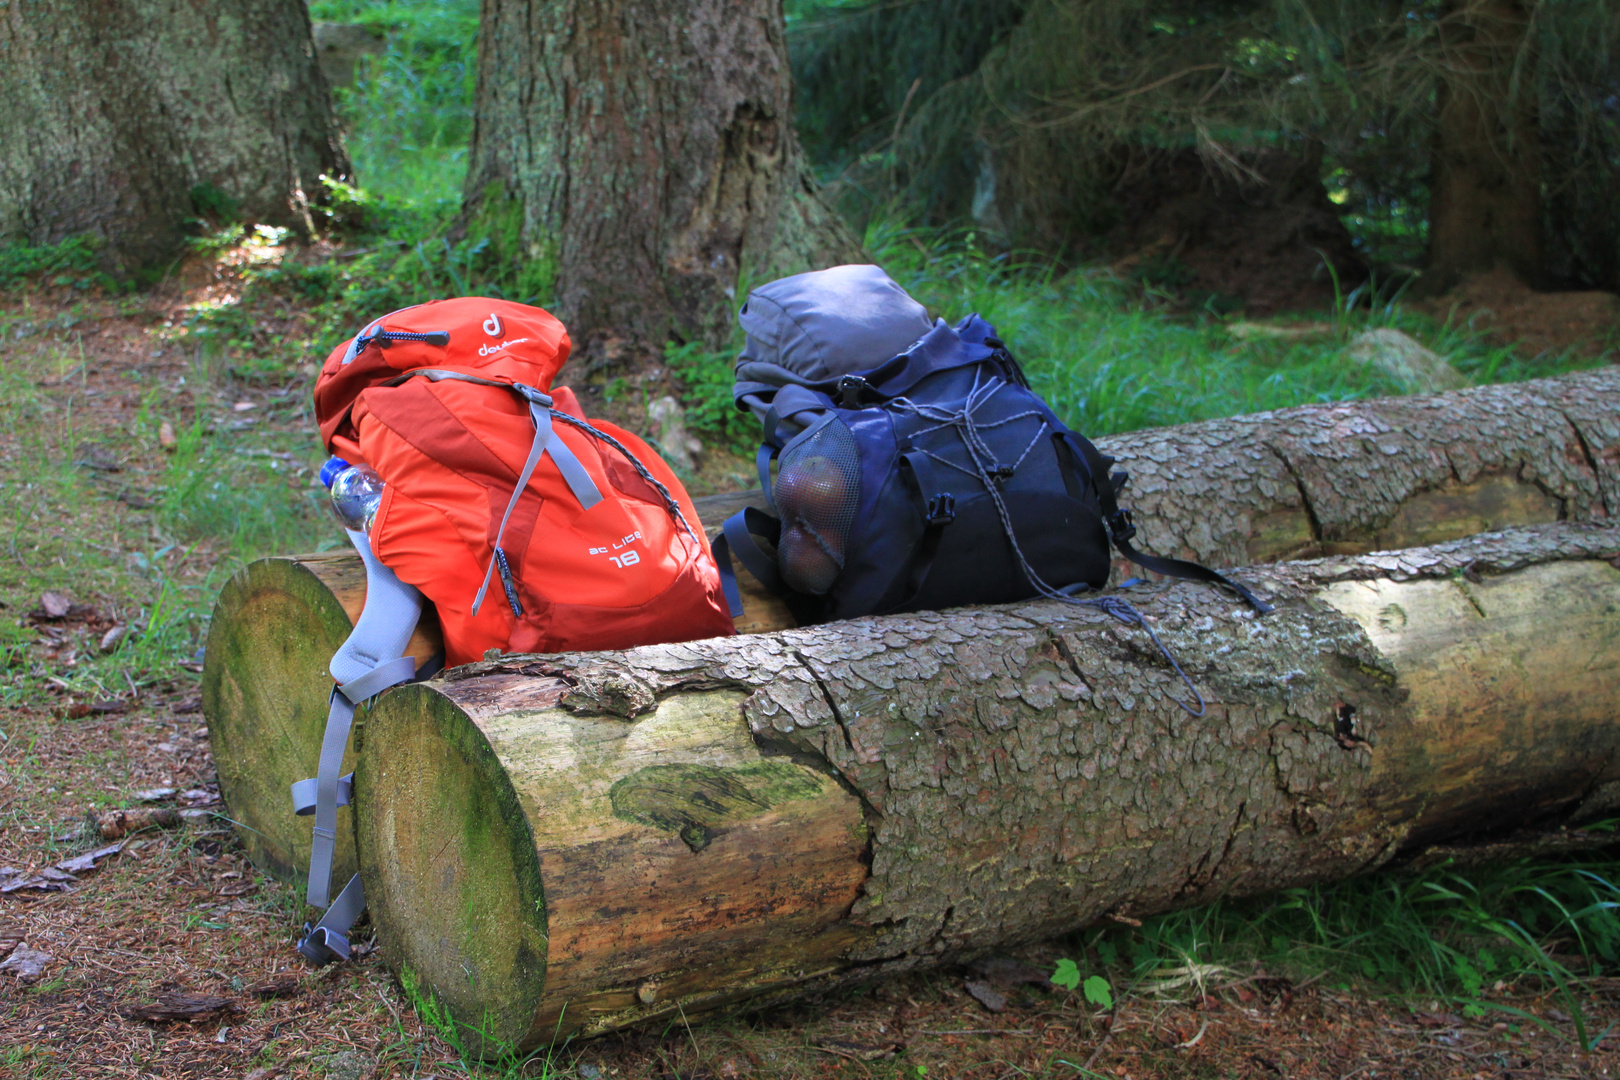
x=476, y=335
x=816, y=326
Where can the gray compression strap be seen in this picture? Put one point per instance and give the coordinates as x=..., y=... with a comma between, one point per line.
x=368, y=662
x=545, y=442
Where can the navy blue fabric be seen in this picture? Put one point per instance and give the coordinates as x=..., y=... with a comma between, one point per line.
x=926, y=533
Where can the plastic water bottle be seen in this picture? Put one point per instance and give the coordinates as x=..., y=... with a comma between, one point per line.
x=356, y=492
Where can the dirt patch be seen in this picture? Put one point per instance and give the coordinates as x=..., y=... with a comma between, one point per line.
x=1257, y=234
x=1534, y=322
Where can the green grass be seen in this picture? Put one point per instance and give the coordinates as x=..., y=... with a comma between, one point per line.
x=149, y=544
x=1107, y=361
x=1463, y=937
x=409, y=115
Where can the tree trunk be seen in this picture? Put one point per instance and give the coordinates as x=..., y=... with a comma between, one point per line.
x=643, y=150
x=125, y=121
x=565, y=845
x=1311, y=481
x=1485, y=199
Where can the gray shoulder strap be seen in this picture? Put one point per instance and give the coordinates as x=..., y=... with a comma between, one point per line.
x=369, y=662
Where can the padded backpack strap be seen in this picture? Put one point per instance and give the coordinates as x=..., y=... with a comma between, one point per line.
x=1121, y=529
x=737, y=535
x=368, y=662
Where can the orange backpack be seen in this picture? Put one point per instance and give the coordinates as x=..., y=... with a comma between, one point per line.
x=530, y=529
x=450, y=402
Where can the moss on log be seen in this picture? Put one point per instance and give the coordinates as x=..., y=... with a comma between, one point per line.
x=1300, y=482
x=557, y=845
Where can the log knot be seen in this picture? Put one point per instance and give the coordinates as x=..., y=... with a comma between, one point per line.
x=609, y=693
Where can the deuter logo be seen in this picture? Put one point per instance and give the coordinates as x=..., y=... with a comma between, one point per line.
x=490, y=350
x=492, y=325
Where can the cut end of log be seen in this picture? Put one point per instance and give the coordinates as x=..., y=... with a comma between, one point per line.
x=542, y=873
x=265, y=691
x=457, y=861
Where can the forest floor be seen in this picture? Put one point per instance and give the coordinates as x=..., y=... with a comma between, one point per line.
x=135, y=471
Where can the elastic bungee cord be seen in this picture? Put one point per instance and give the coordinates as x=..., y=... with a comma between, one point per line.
x=961, y=421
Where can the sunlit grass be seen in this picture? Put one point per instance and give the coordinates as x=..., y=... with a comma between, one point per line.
x=1109, y=363
x=1110, y=360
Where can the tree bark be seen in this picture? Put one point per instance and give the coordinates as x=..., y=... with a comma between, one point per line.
x=644, y=152
x=113, y=115
x=1316, y=480
x=1485, y=199
x=567, y=844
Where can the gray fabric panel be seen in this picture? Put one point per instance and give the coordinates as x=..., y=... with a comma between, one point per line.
x=830, y=322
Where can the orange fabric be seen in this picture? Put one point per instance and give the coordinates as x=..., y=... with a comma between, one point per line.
x=623, y=573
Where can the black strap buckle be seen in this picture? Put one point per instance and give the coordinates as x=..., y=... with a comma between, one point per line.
x=941, y=509
x=850, y=390
x=1121, y=527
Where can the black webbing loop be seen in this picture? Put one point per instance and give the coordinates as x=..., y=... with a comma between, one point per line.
x=1121, y=529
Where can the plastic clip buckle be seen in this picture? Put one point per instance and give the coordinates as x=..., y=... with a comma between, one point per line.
x=1121, y=527
x=850, y=389
x=941, y=509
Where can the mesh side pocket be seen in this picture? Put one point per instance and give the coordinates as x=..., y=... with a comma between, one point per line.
x=817, y=490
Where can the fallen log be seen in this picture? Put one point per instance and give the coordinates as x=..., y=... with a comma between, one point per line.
x=562, y=845
x=1364, y=476
x=265, y=687
x=1318, y=479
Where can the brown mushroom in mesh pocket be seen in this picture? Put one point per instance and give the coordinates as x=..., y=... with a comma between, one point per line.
x=816, y=490
x=807, y=565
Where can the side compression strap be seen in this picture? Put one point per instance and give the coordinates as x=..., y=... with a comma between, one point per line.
x=328, y=940
x=579, y=482
x=1121, y=529
x=368, y=662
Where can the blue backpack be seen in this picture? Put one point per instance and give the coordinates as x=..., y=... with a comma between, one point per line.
x=931, y=479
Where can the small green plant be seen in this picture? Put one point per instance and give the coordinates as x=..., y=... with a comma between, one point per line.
x=214, y=204
x=706, y=381
x=1096, y=988
x=74, y=261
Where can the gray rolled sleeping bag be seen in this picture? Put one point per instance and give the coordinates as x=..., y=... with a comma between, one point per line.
x=813, y=327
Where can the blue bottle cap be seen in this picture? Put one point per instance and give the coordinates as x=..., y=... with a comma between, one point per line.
x=330, y=470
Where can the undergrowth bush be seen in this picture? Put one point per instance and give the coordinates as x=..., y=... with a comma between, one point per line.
x=75, y=261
